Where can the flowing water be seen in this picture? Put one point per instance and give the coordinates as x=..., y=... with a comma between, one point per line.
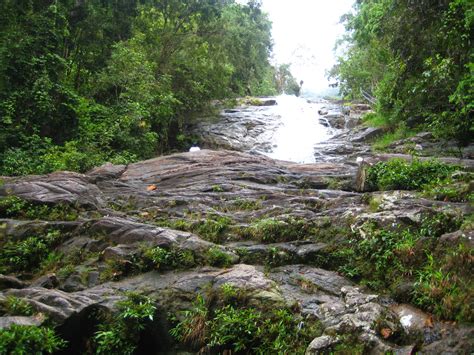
x=299, y=130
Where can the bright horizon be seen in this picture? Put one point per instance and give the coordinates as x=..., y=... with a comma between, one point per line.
x=304, y=34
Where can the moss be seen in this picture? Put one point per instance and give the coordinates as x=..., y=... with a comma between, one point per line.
x=271, y=230
x=217, y=257
x=217, y=188
x=244, y=205
x=212, y=228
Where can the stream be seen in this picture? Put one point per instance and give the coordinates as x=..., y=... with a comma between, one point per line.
x=299, y=129
x=294, y=129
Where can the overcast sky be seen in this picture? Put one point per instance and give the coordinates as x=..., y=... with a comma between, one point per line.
x=304, y=33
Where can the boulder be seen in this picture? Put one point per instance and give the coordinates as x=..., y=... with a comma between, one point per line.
x=321, y=344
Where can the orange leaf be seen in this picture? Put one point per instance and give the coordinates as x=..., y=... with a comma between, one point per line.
x=151, y=188
x=386, y=332
x=429, y=322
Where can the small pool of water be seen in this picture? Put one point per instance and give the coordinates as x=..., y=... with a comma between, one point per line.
x=299, y=131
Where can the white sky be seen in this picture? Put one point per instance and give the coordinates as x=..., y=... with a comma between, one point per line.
x=304, y=34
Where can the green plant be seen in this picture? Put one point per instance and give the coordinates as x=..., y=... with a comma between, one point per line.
x=66, y=271
x=273, y=230
x=244, y=205
x=234, y=328
x=27, y=254
x=15, y=306
x=161, y=258
x=191, y=329
x=242, y=328
x=215, y=256
x=398, y=174
x=13, y=206
x=228, y=291
x=121, y=333
x=212, y=228
x=19, y=339
x=217, y=188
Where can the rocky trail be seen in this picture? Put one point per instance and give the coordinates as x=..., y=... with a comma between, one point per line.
x=229, y=218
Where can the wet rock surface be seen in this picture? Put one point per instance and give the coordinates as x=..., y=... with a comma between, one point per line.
x=234, y=218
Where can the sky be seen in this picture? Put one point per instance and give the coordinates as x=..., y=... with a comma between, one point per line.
x=304, y=34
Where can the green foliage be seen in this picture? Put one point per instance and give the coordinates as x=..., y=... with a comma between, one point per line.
x=240, y=204
x=121, y=333
x=82, y=83
x=19, y=339
x=285, y=81
x=454, y=188
x=245, y=329
x=212, y=228
x=416, y=58
x=271, y=230
x=161, y=258
x=382, y=258
x=15, y=207
x=443, y=285
x=26, y=255
x=398, y=174
x=15, y=306
x=215, y=256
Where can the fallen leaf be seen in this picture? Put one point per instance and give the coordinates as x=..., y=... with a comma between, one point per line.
x=151, y=188
x=429, y=322
x=386, y=332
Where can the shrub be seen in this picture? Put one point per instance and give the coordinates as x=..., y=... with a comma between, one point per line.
x=121, y=333
x=15, y=207
x=19, y=339
x=27, y=254
x=245, y=329
x=382, y=258
x=398, y=174
x=271, y=230
x=216, y=257
x=161, y=258
x=15, y=306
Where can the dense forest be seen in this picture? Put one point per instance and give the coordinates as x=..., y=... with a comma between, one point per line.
x=417, y=59
x=84, y=82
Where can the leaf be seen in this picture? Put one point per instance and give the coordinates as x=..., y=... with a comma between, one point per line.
x=151, y=187
x=386, y=332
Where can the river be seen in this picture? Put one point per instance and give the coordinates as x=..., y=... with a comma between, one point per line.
x=299, y=130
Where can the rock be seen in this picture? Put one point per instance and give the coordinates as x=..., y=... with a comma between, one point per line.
x=244, y=277
x=119, y=252
x=7, y=282
x=106, y=172
x=321, y=344
x=59, y=187
x=46, y=281
x=450, y=240
x=336, y=120
x=413, y=321
x=93, y=279
x=73, y=283
x=58, y=305
x=367, y=134
x=324, y=121
x=323, y=111
x=361, y=107
x=268, y=102
x=7, y=322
